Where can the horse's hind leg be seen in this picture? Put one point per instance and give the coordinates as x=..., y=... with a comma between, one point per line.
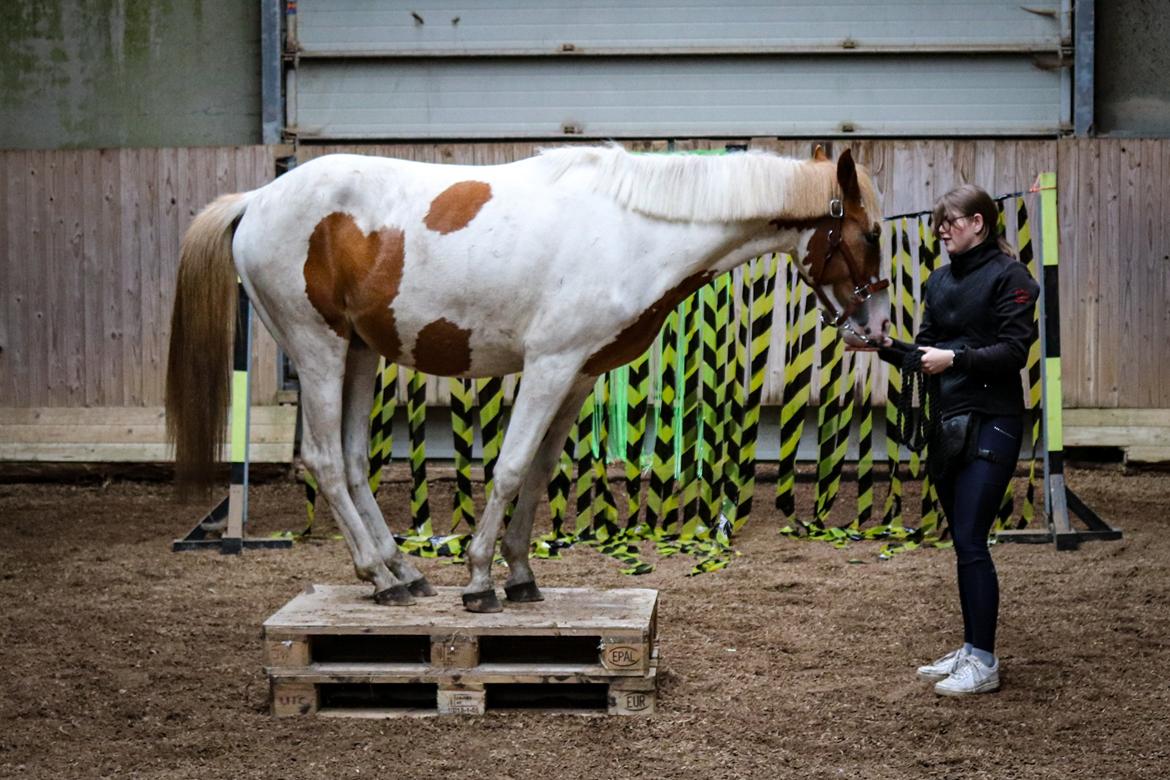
x=321, y=402
x=521, y=583
x=361, y=366
x=546, y=384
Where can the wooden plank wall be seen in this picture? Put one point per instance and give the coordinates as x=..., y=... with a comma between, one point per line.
x=89, y=247
x=1115, y=272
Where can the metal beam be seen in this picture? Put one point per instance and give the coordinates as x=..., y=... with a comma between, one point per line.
x=271, y=110
x=1084, y=33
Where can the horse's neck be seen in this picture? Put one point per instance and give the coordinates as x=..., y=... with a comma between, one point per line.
x=717, y=248
x=673, y=253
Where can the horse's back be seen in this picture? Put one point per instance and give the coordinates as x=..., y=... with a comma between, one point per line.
x=433, y=265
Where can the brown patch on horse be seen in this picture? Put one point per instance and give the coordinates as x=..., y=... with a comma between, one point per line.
x=636, y=337
x=443, y=349
x=352, y=277
x=456, y=206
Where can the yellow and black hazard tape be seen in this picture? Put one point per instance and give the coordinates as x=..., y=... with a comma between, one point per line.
x=927, y=258
x=583, y=456
x=490, y=394
x=864, y=456
x=735, y=397
x=419, y=540
x=758, y=335
x=801, y=344
x=1032, y=366
x=660, y=498
x=462, y=436
x=560, y=484
x=382, y=420
x=688, y=458
x=604, y=510
x=710, y=425
x=637, y=392
x=902, y=300
x=833, y=420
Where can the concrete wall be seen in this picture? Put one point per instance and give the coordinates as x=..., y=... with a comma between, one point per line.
x=1133, y=63
x=112, y=73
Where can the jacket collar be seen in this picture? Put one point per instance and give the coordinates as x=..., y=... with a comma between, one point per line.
x=963, y=263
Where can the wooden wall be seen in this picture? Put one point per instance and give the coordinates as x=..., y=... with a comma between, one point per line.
x=1115, y=272
x=89, y=247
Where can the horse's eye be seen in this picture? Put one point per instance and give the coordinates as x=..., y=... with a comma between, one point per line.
x=873, y=237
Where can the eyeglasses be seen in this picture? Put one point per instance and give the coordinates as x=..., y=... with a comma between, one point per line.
x=949, y=222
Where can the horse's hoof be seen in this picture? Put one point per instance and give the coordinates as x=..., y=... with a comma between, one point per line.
x=524, y=592
x=421, y=587
x=394, y=596
x=484, y=601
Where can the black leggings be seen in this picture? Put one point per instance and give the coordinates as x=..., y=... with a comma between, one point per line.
x=971, y=497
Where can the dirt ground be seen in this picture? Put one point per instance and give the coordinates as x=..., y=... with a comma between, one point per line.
x=121, y=659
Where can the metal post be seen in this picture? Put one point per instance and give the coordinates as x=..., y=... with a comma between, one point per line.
x=270, y=59
x=1084, y=34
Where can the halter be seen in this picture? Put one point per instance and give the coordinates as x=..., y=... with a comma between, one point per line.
x=863, y=289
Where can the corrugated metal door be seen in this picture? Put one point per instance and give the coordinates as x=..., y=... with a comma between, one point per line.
x=431, y=69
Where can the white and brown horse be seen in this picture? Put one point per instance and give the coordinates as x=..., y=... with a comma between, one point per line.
x=562, y=266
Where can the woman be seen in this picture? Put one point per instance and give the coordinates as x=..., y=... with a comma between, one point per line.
x=977, y=326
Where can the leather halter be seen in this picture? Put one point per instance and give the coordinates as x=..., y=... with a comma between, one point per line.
x=833, y=237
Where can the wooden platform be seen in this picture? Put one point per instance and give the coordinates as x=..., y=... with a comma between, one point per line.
x=332, y=651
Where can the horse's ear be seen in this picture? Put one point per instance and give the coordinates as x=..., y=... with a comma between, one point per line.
x=819, y=154
x=847, y=177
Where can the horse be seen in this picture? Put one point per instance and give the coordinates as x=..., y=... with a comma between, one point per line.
x=563, y=265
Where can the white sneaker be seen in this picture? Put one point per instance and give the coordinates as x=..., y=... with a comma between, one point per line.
x=970, y=676
x=942, y=668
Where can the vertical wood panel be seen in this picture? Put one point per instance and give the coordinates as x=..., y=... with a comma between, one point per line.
x=1077, y=292
x=37, y=354
x=13, y=381
x=1162, y=287
x=6, y=378
x=1108, y=340
x=166, y=220
x=50, y=269
x=1146, y=234
x=133, y=226
x=92, y=263
x=71, y=206
x=150, y=330
x=1129, y=335
x=113, y=385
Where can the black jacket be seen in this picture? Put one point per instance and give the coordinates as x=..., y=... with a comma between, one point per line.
x=982, y=305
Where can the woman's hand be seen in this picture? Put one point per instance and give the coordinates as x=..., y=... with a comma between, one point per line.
x=936, y=361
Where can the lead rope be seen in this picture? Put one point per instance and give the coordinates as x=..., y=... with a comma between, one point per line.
x=916, y=426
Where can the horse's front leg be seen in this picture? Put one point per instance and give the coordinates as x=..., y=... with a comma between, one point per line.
x=547, y=382
x=517, y=544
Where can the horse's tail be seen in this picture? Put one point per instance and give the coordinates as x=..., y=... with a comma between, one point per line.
x=199, y=361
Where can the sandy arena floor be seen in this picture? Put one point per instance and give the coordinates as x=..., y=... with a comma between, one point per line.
x=122, y=659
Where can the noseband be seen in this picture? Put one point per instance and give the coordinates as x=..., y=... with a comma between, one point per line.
x=833, y=235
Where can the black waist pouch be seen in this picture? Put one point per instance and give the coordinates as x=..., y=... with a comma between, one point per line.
x=952, y=445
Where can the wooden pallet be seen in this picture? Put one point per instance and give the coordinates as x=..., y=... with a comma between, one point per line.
x=332, y=652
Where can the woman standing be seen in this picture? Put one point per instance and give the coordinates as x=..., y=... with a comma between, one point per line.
x=976, y=328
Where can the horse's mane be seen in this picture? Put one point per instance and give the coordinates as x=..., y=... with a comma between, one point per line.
x=710, y=188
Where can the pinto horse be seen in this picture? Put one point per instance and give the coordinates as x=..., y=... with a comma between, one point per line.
x=563, y=266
